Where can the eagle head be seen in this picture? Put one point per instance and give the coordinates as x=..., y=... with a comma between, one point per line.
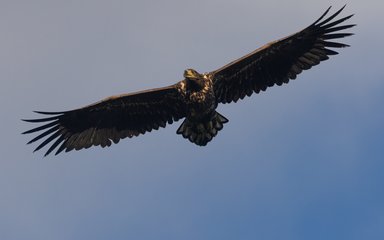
x=195, y=80
x=192, y=74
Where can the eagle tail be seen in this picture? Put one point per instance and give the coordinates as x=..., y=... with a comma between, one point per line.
x=202, y=132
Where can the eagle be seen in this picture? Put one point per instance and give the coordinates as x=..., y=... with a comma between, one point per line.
x=196, y=97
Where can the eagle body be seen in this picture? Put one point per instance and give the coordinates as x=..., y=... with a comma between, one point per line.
x=196, y=97
x=202, y=122
x=198, y=93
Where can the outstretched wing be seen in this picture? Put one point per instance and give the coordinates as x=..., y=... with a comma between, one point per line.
x=112, y=119
x=278, y=62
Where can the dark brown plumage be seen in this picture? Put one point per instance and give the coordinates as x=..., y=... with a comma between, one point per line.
x=195, y=98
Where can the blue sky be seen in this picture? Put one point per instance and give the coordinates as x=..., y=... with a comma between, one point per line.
x=301, y=161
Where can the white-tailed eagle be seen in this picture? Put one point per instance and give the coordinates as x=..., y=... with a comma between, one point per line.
x=196, y=97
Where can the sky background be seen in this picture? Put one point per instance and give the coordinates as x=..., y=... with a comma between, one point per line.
x=301, y=161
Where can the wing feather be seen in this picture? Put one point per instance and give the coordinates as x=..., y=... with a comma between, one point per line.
x=109, y=120
x=279, y=61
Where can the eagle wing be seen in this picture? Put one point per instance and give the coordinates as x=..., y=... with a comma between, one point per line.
x=279, y=61
x=111, y=119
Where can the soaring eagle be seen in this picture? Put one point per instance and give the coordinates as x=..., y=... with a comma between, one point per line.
x=196, y=97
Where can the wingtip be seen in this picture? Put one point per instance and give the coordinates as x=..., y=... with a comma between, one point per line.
x=48, y=113
x=318, y=21
x=340, y=10
x=322, y=16
x=28, y=120
x=39, y=120
x=26, y=132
